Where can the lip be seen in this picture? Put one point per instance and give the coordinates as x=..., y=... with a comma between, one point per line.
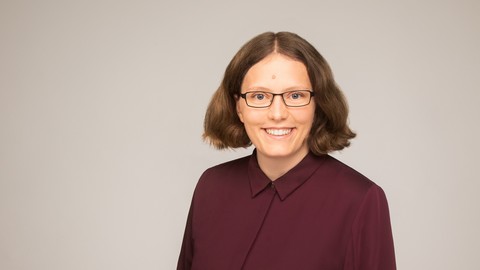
x=279, y=132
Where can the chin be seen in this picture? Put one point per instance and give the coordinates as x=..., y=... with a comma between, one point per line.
x=280, y=153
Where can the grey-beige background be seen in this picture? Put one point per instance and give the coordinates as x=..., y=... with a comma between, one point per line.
x=102, y=104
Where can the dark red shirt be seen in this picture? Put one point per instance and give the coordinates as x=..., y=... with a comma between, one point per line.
x=321, y=214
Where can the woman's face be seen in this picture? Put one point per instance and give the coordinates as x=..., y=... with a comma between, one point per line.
x=277, y=131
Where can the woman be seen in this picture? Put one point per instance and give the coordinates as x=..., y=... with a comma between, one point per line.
x=289, y=205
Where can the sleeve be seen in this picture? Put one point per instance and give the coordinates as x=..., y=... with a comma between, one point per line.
x=186, y=252
x=371, y=246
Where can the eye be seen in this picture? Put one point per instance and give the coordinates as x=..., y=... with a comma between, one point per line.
x=296, y=95
x=258, y=96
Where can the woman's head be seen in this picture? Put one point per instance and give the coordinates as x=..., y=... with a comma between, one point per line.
x=329, y=129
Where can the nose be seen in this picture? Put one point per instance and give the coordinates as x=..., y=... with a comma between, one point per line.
x=278, y=109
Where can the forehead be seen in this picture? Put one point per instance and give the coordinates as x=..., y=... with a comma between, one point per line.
x=277, y=72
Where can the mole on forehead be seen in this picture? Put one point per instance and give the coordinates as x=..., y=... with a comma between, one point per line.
x=273, y=77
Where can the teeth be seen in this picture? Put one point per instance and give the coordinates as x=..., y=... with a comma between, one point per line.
x=278, y=132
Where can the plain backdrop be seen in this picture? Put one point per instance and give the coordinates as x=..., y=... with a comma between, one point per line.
x=102, y=105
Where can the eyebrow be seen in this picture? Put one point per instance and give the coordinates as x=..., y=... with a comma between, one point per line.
x=265, y=89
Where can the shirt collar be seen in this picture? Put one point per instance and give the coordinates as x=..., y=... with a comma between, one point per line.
x=289, y=182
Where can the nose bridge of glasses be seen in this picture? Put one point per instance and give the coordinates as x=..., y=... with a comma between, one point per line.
x=281, y=97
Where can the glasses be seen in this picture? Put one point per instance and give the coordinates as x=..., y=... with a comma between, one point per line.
x=296, y=98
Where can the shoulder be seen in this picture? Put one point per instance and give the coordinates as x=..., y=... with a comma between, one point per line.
x=223, y=169
x=344, y=178
x=348, y=188
x=223, y=173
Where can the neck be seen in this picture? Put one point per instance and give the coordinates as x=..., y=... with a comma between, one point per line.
x=275, y=167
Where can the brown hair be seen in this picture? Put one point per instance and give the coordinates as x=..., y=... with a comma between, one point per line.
x=330, y=131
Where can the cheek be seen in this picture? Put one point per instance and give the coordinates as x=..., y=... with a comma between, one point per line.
x=252, y=120
x=305, y=117
x=311, y=113
x=249, y=118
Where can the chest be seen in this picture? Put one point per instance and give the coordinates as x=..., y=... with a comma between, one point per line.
x=308, y=230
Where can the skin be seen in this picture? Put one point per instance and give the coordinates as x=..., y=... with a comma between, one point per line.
x=277, y=154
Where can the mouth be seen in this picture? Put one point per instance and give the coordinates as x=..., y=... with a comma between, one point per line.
x=278, y=131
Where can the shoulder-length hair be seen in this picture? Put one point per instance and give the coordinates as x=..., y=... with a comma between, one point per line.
x=329, y=132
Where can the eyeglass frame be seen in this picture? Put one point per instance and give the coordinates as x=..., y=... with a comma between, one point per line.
x=244, y=96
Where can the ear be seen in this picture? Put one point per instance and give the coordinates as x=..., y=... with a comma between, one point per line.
x=239, y=108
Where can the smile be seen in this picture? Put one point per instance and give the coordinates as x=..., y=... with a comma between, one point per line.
x=278, y=132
